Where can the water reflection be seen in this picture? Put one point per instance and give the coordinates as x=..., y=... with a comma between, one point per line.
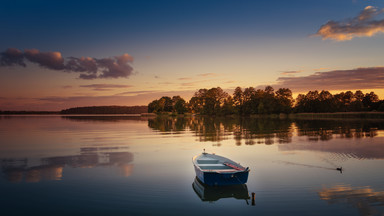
x=51, y=168
x=214, y=193
x=251, y=130
x=342, y=150
x=265, y=130
x=365, y=199
x=325, y=130
x=103, y=118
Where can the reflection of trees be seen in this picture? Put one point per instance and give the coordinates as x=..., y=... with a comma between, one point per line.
x=365, y=199
x=216, y=129
x=167, y=124
x=17, y=170
x=268, y=131
x=327, y=129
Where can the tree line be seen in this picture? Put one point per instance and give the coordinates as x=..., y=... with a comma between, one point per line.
x=216, y=101
x=106, y=110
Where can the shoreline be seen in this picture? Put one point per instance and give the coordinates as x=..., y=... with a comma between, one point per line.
x=336, y=115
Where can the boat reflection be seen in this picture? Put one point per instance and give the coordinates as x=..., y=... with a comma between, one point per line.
x=214, y=193
x=365, y=199
x=51, y=168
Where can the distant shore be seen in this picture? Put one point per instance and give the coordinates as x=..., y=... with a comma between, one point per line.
x=336, y=115
x=29, y=112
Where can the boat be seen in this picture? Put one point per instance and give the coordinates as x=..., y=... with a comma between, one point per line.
x=215, y=170
x=213, y=193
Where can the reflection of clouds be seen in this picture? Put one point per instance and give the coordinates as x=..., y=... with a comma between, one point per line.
x=126, y=169
x=365, y=199
x=368, y=150
x=17, y=170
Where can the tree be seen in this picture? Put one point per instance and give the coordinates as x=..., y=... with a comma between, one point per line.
x=359, y=95
x=284, y=100
x=369, y=99
x=153, y=106
x=180, y=106
x=309, y=102
x=195, y=105
x=216, y=96
x=248, y=102
x=269, y=90
x=238, y=96
x=165, y=104
x=238, y=100
x=327, y=102
x=208, y=102
x=228, y=107
x=260, y=108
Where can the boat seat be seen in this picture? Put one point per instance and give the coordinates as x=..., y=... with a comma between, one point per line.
x=207, y=161
x=220, y=170
x=213, y=165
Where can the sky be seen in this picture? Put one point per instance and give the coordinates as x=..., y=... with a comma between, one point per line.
x=56, y=55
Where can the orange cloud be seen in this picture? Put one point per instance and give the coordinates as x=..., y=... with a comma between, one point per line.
x=105, y=87
x=361, y=26
x=358, y=78
x=290, y=72
x=208, y=74
x=185, y=78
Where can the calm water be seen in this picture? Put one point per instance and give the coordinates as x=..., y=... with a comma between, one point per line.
x=83, y=165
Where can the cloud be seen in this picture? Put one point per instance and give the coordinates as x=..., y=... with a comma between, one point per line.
x=115, y=67
x=185, y=78
x=50, y=60
x=135, y=93
x=290, y=72
x=11, y=57
x=362, y=25
x=165, y=83
x=89, y=68
x=105, y=87
x=189, y=84
x=207, y=74
x=230, y=81
x=320, y=69
x=358, y=78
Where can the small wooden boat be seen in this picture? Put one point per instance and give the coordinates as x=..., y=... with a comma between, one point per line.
x=214, y=170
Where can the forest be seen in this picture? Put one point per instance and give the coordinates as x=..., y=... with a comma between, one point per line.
x=106, y=110
x=216, y=101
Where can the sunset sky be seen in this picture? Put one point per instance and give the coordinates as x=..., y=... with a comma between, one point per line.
x=60, y=54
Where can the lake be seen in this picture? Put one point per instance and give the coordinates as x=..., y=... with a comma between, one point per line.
x=129, y=165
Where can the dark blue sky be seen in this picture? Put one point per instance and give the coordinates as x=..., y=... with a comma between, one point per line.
x=175, y=47
x=76, y=26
